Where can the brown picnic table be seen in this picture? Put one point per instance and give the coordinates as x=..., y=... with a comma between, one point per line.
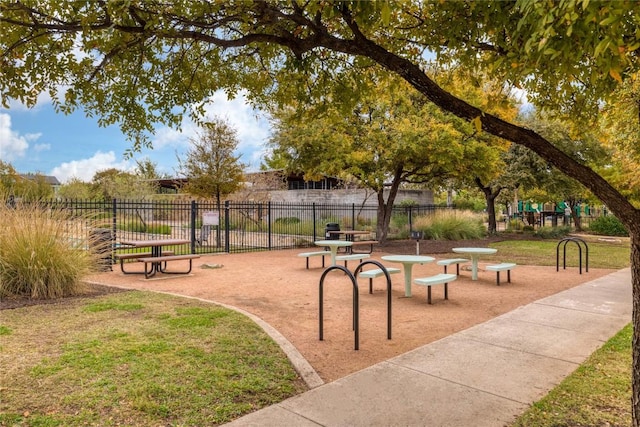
x=156, y=260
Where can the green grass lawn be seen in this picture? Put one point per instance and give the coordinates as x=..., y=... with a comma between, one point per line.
x=136, y=359
x=613, y=255
x=598, y=393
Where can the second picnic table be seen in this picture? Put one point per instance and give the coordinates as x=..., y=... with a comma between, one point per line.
x=333, y=246
x=475, y=253
x=407, y=262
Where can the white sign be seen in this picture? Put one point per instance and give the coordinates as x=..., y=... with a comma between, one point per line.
x=210, y=218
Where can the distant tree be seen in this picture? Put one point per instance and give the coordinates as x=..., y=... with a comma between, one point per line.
x=620, y=131
x=75, y=188
x=33, y=187
x=391, y=139
x=212, y=168
x=147, y=172
x=492, y=172
x=8, y=179
x=582, y=145
x=147, y=169
x=28, y=187
x=116, y=184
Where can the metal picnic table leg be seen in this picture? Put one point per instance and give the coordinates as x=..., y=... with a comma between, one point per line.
x=407, y=279
x=334, y=252
x=156, y=251
x=474, y=267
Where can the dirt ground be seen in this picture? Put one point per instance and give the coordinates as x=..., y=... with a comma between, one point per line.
x=277, y=287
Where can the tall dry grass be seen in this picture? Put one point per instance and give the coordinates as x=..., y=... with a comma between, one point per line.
x=451, y=225
x=39, y=258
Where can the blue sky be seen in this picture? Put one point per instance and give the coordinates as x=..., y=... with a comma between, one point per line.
x=39, y=140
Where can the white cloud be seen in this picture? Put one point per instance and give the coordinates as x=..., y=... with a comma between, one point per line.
x=41, y=147
x=253, y=129
x=12, y=144
x=85, y=169
x=43, y=100
x=168, y=137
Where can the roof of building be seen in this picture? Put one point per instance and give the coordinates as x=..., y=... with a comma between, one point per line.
x=51, y=180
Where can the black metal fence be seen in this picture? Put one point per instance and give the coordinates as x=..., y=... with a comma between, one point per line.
x=238, y=226
x=231, y=227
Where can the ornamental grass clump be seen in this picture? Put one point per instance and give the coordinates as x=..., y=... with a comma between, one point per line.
x=451, y=225
x=39, y=257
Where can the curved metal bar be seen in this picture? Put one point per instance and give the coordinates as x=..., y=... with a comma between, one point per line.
x=579, y=242
x=356, y=307
x=386, y=273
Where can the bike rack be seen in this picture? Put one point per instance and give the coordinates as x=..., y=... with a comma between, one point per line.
x=579, y=242
x=386, y=274
x=356, y=302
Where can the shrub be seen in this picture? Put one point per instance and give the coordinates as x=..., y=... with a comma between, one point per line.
x=288, y=220
x=608, y=226
x=451, y=225
x=553, y=232
x=38, y=259
x=140, y=227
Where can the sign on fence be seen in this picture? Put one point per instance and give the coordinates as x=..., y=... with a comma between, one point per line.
x=210, y=218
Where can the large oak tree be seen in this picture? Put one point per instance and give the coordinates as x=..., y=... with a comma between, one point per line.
x=137, y=62
x=392, y=138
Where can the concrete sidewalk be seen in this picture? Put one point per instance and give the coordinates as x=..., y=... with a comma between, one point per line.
x=483, y=376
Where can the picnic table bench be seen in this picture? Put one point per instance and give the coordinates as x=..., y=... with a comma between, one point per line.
x=308, y=255
x=350, y=235
x=134, y=256
x=505, y=266
x=157, y=262
x=357, y=243
x=438, y=279
x=346, y=258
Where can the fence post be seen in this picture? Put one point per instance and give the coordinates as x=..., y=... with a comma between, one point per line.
x=114, y=211
x=226, y=226
x=410, y=213
x=313, y=214
x=192, y=226
x=353, y=216
x=269, y=223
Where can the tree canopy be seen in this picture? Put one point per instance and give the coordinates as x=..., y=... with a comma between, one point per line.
x=214, y=171
x=391, y=138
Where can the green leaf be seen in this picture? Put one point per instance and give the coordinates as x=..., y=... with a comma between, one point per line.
x=477, y=123
x=386, y=13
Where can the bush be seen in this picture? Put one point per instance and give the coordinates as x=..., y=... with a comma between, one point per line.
x=38, y=259
x=451, y=225
x=140, y=227
x=608, y=226
x=288, y=220
x=553, y=232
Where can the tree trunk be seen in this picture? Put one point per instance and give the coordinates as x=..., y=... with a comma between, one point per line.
x=384, y=218
x=385, y=208
x=575, y=217
x=490, y=197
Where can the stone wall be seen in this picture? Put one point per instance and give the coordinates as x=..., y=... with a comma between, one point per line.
x=353, y=196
